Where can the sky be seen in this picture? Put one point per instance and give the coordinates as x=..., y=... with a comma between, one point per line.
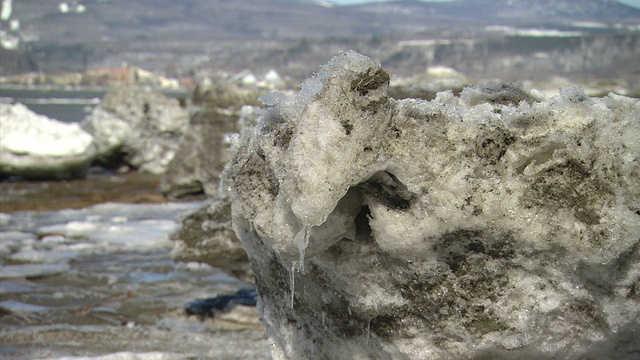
x=635, y=3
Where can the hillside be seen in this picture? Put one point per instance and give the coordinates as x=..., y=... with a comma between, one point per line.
x=511, y=11
x=180, y=37
x=115, y=20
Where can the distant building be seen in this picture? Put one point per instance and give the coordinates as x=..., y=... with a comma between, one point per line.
x=109, y=76
x=127, y=75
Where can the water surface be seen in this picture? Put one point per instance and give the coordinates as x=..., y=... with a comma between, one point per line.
x=99, y=281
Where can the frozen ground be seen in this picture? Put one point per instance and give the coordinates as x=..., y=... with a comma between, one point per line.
x=98, y=283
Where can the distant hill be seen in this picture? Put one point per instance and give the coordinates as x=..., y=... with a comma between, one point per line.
x=187, y=34
x=545, y=11
x=104, y=20
x=470, y=12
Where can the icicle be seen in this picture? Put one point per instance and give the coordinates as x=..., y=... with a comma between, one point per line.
x=302, y=241
x=292, y=280
x=368, y=331
x=323, y=318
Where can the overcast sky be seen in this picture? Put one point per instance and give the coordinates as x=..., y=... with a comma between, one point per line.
x=635, y=3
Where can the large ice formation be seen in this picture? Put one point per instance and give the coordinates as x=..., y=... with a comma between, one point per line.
x=34, y=146
x=497, y=224
x=219, y=110
x=138, y=127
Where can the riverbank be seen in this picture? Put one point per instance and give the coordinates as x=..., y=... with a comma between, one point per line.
x=130, y=187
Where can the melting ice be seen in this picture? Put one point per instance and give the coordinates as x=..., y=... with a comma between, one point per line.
x=99, y=283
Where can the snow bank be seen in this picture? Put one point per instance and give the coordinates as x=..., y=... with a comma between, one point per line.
x=497, y=224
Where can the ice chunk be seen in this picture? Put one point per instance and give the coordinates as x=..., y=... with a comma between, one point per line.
x=4, y=219
x=495, y=224
x=31, y=270
x=17, y=306
x=272, y=99
x=24, y=132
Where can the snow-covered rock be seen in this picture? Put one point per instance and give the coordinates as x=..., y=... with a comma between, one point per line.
x=139, y=127
x=34, y=146
x=497, y=224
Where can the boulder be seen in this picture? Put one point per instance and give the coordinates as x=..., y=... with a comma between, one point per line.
x=137, y=127
x=494, y=225
x=33, y=146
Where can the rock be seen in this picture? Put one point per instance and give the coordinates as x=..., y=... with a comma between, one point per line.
x=207, y=236
x=138, y=127
x=33, y=146
x=493, y=225
x=219, y=111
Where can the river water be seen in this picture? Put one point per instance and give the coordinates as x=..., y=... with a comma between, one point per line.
x=98, y=281
x=67, y=104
